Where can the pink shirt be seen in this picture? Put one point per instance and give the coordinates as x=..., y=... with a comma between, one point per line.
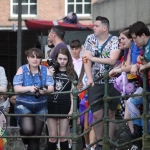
x=77, y=65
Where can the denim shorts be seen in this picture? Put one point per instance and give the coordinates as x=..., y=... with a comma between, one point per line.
x=31, y=108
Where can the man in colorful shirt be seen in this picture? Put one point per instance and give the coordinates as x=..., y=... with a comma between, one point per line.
x=101, y=48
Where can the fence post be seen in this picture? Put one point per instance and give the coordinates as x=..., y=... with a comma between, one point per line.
x=74, y=115
x=106, y=144
x=145, y=141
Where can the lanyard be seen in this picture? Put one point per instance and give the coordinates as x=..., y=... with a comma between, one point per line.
x=40, y=76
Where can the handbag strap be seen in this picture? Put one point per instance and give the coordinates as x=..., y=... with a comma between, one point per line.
x=98, y=53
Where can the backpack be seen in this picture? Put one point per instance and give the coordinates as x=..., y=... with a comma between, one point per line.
x=71, y=18
x=123, y=86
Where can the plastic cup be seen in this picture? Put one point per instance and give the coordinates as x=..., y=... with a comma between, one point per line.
x=84, y=60
x=44, y=62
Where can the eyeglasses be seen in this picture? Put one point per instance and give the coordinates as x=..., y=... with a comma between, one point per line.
x=38, y=57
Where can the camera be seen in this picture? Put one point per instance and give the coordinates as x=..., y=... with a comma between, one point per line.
x=55, y=65
x=37, y=93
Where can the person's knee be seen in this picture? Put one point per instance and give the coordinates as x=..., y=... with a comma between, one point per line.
x=63, y=140
x=61, y=133
x=112, y=114
x=53, y=140
x=27, y=131
x=97, y=115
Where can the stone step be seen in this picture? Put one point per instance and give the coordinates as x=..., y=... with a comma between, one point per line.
x=17, y=144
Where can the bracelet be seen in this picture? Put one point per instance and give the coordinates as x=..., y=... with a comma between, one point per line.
x=140, y=63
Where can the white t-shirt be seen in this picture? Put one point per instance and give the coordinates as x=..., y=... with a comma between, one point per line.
x=6, y=104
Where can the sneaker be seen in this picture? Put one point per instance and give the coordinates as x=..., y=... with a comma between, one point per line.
x=98, y=147
x=126, y=136
x=134, y=147
x=26, y=147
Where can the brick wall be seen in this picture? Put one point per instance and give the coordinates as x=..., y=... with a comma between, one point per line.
x=46, y=10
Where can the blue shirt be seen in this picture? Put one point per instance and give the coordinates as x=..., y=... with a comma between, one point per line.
x=135, y=52
x=29, y=79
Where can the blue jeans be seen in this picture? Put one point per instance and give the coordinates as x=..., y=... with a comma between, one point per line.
x=31, y=108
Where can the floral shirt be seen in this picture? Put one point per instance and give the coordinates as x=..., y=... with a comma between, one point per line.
x=92, y=44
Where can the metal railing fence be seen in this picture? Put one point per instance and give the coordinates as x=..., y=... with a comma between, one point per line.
x=106, y=140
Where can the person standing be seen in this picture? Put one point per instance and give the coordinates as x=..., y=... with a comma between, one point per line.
x=32, y=78
x=3, y=80
x=101, y=48
x=75, y=49
x=55, y=37
x=61, y=103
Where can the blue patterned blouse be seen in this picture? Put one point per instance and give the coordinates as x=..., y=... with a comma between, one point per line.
x=29, y=79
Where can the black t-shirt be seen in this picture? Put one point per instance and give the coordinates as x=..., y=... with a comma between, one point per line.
x=62, y=83
x=58, y=46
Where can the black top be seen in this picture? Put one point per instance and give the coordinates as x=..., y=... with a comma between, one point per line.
x=62, y=83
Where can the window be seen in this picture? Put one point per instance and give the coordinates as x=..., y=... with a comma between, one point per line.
x=29, y=8
x=80, y=7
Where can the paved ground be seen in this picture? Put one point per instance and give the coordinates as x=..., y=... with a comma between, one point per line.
x=16, y=144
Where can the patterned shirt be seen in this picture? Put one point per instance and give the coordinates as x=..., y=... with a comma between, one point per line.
x=146, y=49
x=29, y=79
x=92, y=44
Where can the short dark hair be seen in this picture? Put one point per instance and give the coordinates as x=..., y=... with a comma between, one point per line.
x=139, y=28
x=103, y=20
x=59, y=31
x=35, y=51
x=75, y=44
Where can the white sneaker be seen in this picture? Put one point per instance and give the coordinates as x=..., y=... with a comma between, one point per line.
x=25, y=147
x=134, y=147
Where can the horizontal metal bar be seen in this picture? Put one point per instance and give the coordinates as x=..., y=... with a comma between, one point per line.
x=46, y=115
x=68, y=137
x=124, y=120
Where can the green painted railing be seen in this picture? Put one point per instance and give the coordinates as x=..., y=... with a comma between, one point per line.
x=106, y=140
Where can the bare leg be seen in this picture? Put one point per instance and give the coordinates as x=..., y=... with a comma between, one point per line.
x=68, y=134
x=63, y=127
x=52, y=128
x=111, y=125
x=92, y=136
x=98, y=128
x=86, y=136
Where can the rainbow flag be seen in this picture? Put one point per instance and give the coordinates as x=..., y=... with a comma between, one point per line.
x=2, y=140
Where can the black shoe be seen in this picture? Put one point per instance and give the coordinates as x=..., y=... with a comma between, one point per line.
x=99, y=147
x=126, y=136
